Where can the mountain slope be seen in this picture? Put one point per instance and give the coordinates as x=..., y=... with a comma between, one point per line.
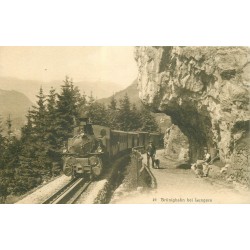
x=100, y=89
x=13, y=102
x=131, y=91
x=16, y=105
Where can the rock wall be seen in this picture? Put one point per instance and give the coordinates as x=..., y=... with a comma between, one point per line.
x=205, y=90
x=176, y=144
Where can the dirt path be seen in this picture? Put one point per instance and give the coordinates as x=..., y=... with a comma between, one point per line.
x=175, y=185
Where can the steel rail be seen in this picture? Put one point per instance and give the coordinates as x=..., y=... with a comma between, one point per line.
x=77, y=194
x=63, y=195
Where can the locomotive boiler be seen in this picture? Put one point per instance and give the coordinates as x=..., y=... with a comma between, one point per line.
x=84, y=153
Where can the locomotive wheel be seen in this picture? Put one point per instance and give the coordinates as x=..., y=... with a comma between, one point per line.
x=69, y=164
x=97, y=165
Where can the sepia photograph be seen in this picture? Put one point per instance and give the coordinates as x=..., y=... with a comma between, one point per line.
x=124, y=124
x=132, y=117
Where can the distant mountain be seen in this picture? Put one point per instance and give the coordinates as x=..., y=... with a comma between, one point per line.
x=99, y=89
x=16, y=105
x=131, y=91
x=31, y=88
x=13, y=102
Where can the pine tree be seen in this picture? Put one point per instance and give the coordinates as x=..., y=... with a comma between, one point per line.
x=9, y=127
x=28, y=174
x=12, y=150
x=67, y=111
x=53, y=148
x=134, y=121
x=3, y=180
x=112, y=113
x=98, y=114
x=1, y=125
x=113, y=103
x=9, y=161
x=128, y=116
x=27, y=140
x=91, y=99
x=123, y=116
x=34, y=161
x=51, y=101
x=39, y=116
x=27, y=129
x=148, y=122
x=2, y=145
x=81, y=102
x=51, y=117
x=3, y=187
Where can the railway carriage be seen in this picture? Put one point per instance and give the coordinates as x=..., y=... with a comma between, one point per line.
x=143, y=138
x=114, y=142
x=123, y=141
x=132, y=139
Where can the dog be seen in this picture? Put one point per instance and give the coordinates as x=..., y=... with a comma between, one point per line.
x=157, y=163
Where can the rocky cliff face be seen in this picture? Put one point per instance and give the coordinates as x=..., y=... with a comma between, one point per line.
x=176, y=144
x=205, y=90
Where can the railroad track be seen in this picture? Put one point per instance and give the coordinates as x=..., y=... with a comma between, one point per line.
x=69, y=193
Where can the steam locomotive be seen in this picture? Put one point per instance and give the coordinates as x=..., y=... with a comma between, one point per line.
x=93, y=146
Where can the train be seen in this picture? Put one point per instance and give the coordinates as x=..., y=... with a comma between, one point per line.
x=92, y=147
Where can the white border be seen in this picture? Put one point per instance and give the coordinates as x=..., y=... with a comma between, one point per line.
x=111, y=22
x=127, y=23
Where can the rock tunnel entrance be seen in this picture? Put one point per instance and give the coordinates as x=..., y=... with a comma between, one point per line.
x=176, y=146
x=197, y=127
x=205, y=91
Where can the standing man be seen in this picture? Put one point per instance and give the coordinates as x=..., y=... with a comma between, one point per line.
x=205, y=165
x=151, y=151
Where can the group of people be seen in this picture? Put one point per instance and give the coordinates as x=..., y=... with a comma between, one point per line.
x=201, y=167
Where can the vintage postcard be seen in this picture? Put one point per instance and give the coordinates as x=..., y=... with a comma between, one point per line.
x=124, y=125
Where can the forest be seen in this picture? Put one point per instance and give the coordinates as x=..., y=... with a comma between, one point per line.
x=36, y=156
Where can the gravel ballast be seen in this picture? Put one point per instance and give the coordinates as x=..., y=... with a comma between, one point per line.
x=44, y=192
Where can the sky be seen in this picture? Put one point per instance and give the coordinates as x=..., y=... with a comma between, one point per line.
x=112, y=64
